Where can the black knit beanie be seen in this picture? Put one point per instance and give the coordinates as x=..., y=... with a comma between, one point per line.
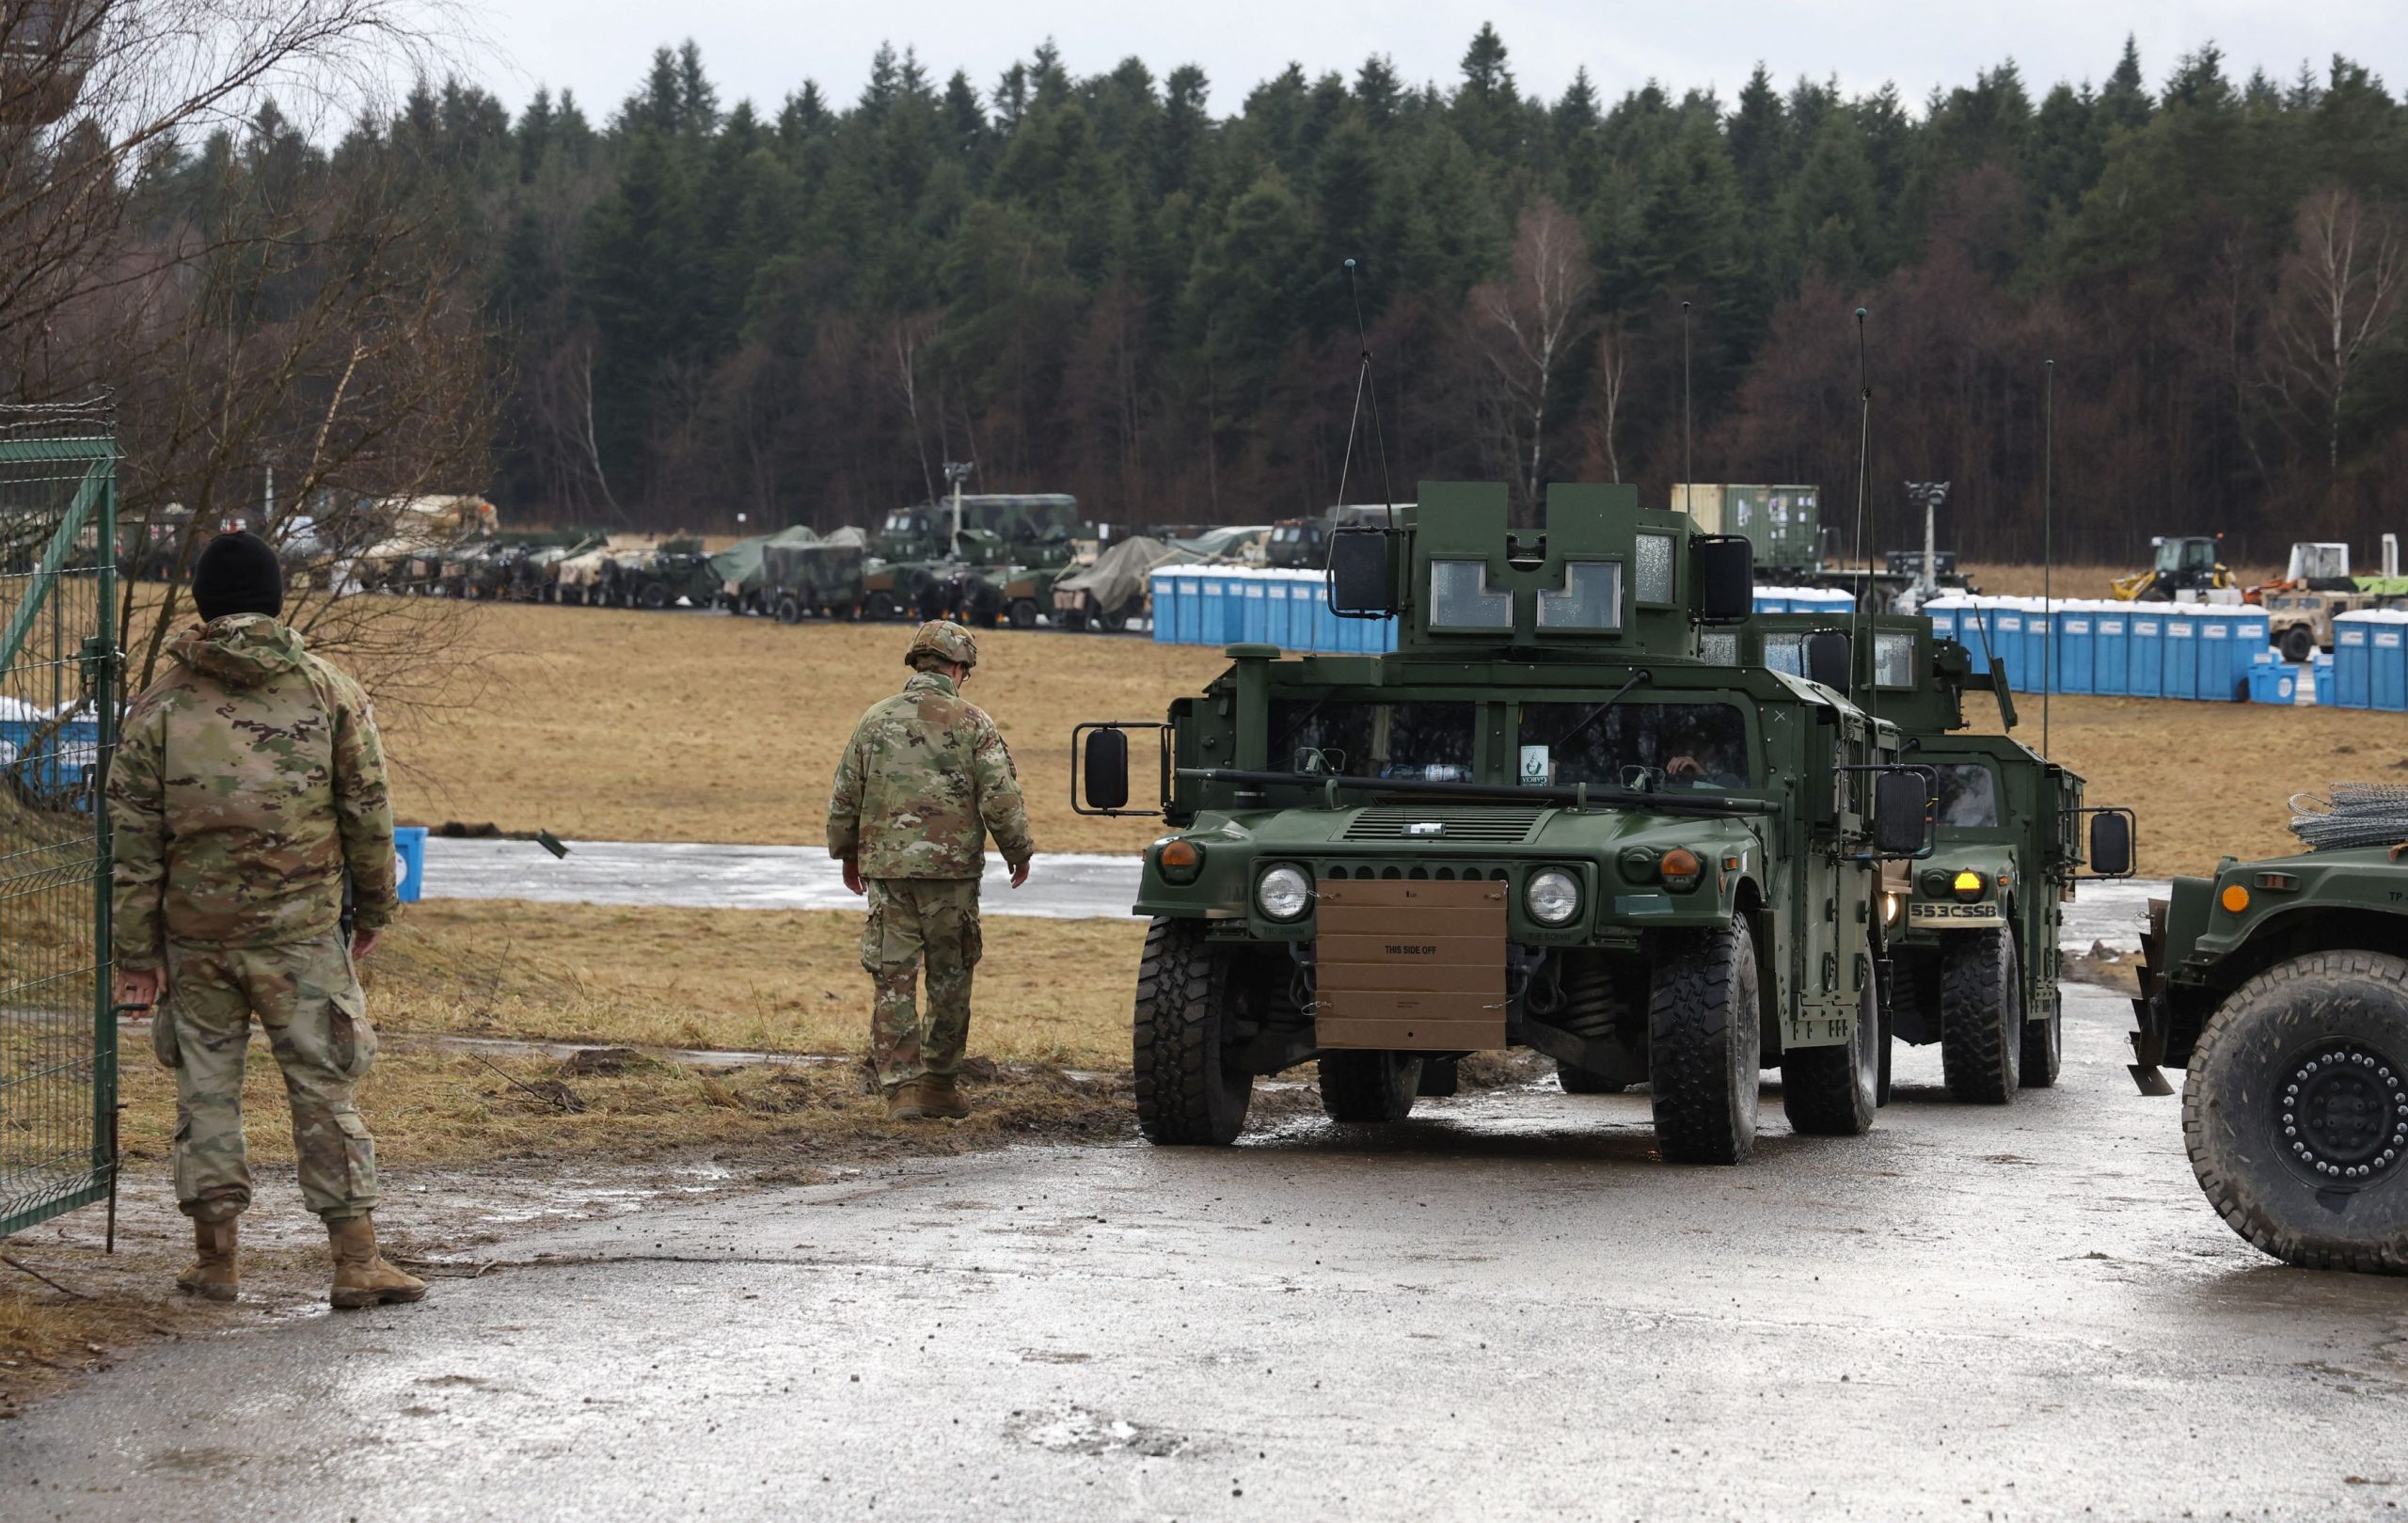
x=238, y=573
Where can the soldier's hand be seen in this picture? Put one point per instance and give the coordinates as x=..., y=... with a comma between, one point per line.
x=145, y=988
x=853, y=875
x=1019, y=874
x=362, y=943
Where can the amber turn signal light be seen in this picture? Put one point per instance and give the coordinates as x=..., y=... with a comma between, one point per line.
x=2235, y=898
x=1181, y=860
x=1679, y=869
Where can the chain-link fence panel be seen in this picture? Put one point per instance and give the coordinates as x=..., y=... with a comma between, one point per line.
x=58, y=566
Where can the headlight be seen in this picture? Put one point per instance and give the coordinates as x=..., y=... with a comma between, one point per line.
x=1552, y=896
x=1967, y=885
x=1283, y=894
x=1890, y=906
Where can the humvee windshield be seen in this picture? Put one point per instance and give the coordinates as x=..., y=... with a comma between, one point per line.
x=906, y=523
x=1968, y=794
x=1679, y=745
x=1425, y=742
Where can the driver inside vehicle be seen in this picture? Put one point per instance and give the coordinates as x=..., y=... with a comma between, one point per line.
x=1696, y=754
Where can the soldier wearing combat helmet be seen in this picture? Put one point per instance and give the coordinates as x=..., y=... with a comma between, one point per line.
x=248, y=788
x=923, y=781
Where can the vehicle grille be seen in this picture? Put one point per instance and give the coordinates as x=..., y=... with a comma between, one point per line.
x=1470, y=872
x=1512, y=823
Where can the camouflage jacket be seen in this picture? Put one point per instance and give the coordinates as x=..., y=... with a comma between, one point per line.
x=247, y=782
x=924, y=778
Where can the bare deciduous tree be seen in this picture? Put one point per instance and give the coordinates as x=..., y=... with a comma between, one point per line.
x=2337, y=298
x=1525, y=326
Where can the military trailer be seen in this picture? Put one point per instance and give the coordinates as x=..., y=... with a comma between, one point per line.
x=820, y=579
x=2282, y=985
x=1543, y=821
x=1975, y=959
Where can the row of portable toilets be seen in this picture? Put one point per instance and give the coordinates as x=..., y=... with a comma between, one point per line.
x=2215, y=653
x=1268, y=606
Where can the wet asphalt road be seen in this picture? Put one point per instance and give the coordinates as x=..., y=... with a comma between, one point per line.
x=1506, y=1309
x=1063, y=885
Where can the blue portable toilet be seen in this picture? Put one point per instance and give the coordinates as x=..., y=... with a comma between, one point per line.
x=1388, y=633
x=2388, y=663
x=2006, y=644
x=1973, y=632
x=1187, y=610
x=2320, y=673
x=1161, y=593
x=2251, y=634
x=1941, y=612
x=2036, y=666
x=2076, y=650
x=2352, y=660
x=1327, y=626
x=409, y=862
x=2111, y=648
x=2182, y=653
x=1771, y=601
x=2221, y=677
x=2145, y=671
x=1254, y=615
x=1274, y=609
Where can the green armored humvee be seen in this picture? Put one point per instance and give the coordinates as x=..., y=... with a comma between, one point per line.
x=1543, y=821
x=1974, y=962
x=2282, y=985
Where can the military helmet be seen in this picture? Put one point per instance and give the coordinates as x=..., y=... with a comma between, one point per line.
x=945, y=640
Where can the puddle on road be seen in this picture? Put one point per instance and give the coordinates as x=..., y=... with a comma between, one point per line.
x=1074, y=1429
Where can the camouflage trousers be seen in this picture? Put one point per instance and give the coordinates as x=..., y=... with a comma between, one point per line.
x=309, y=999
x=917, y=922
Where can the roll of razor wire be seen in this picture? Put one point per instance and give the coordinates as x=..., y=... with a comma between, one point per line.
x=2358, y=814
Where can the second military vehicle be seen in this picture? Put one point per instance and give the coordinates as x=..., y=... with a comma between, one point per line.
x=1975, y=963
x=2283, y=985
x=1543, y=821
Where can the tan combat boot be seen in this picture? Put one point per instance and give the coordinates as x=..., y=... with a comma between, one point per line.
x=362, y=1277
x=904, y=1103
x=211, y=1275
x=938, y=1097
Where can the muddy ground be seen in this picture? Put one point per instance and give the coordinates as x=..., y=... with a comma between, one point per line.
x=1504, y=1307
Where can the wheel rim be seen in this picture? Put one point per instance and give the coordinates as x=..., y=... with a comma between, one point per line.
x=2342, y=1115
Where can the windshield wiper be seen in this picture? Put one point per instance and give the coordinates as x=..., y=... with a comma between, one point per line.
x=1642, y=675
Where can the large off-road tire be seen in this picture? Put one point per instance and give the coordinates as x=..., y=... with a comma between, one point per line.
x=1023, y=613
x=1981, y=1017
x=1704, y=1047
x=2302, y=1067
x=1579, y=1081
x=2044, y=1049
x=2298, y=644
x=1187, y=1091
x=789, y=609
x=1112, y=621
x=1368, y=1086
x=878, y=606
x=1833, y=1091
x=654, y=596
x=1074, y=620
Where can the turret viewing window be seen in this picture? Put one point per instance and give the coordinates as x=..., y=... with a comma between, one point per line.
x=1461, y=598
x=1590, y=598
x=1894, y=659
x=1651, y=576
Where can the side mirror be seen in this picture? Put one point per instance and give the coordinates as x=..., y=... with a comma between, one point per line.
x=1901, y=812
x=2111, y=844
x=1361, y=583
x=1829, y=657
x=1103, y=770
x=1726, y=578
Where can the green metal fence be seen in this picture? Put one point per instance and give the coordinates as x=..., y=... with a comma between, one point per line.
x=57, y=724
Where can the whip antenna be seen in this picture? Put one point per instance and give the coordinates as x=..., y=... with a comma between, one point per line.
x=1863, y=497
x=2048, y=541
x=1363, y=387
x=1688, y=472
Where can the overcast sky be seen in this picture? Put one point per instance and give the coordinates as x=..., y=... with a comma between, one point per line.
x=600, y=48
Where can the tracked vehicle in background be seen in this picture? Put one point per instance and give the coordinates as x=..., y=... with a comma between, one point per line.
x=1543, y=821
x=1975, y=959
x=2282, y=986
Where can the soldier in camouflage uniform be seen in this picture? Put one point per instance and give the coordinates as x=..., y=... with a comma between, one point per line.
x=922, y=781
x=248, y=785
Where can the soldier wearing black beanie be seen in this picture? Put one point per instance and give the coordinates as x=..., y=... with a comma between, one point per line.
x=238, y=573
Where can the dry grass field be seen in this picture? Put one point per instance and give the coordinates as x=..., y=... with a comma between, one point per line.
x=645, y=726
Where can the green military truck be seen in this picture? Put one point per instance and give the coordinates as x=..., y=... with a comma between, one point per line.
x=1543, y=821
x=1974, y=962
x=2282, y=985
x=960, y=558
